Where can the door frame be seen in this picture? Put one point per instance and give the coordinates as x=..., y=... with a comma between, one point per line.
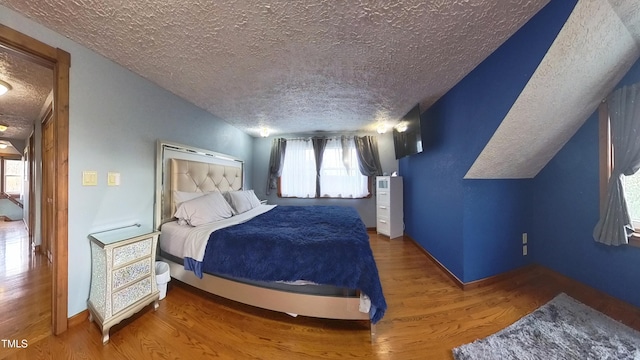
x=59, y=61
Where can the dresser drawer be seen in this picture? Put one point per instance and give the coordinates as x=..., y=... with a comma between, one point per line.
x=382, y=226
x=130, y=294
x=127, y=253
x=382, y=210
x=382, y=197
x=131, y=273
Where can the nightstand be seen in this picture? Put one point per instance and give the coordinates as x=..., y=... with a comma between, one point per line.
x=123, y=279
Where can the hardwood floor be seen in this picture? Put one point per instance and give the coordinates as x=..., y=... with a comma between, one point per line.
x=25, y=288
x=428, y=315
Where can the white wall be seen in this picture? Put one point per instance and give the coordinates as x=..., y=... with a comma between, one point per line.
x=115, y=118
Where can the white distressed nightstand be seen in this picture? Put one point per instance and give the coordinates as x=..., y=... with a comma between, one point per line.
x=123, y=279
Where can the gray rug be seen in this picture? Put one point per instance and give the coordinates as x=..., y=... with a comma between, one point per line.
x=561, y=329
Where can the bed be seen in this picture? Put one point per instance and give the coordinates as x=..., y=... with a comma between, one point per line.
x=247, y=263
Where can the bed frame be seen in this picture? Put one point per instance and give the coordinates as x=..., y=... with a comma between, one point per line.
x=184, y=168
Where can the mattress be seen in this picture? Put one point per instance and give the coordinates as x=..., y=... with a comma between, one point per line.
x=172, y=238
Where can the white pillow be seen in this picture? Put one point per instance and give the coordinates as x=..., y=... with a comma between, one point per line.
x=243, y=200
x=181, y=196
x=204, y=209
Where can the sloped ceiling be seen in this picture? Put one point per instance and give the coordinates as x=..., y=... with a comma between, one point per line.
x=596, y=47
x=293, y=67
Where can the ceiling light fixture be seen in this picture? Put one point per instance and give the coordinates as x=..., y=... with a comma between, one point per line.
x=264, y=132
x=3, y=145
x=4, y=87
x=3, y=128
x=381, y=129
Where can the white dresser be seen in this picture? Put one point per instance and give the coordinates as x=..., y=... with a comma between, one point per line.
x=122, y=275
x=389, y=213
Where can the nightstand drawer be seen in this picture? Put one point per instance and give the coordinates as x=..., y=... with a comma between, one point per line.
x=129, y=295
x=130, y=252
x=131, y=273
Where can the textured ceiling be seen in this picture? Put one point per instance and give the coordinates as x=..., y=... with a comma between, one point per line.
x=293, y=67
x=20, y=107
x=594, y=50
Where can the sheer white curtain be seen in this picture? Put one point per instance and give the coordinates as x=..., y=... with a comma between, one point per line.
x=299, y=171
x=340, y=175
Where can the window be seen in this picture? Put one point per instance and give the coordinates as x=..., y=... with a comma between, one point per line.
x=630, y=184
x=340, y=176
x=13, y=177
x=299, y=170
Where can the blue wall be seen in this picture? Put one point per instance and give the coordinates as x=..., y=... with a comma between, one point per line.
x=566, y=209
x=496, y=213
x=474, y=227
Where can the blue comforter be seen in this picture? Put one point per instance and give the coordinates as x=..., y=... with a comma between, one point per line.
x=324, y=244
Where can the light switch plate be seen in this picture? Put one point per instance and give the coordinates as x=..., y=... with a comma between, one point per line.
x=113, y=179
x=89, y=178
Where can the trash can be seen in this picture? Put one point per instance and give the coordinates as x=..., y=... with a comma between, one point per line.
x=162, y=277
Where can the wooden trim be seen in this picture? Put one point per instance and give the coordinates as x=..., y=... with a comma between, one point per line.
x=444, y=269
x=26, y=47
x=59, y=61
x=77, y=319
x=634, y=240
x=476, y=283
x=61, y=186
x=606, y=155
x=499, y=277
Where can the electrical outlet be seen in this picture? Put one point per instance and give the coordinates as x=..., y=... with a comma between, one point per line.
x=524, y=238
x=524, y=250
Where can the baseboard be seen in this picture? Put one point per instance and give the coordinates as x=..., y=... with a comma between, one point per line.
x=476, y=283
x=499, y=277
x=444, y=269
x=78, y=319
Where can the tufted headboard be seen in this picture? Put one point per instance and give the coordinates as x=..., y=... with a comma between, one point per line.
x=185, y=168
x=194, y=176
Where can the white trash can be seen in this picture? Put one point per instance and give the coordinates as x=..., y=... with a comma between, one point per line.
x=162, y=277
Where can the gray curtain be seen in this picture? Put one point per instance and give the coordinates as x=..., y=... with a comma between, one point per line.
x=318, y=150
x=276, y=161
x=368, y=156
x=614, y=226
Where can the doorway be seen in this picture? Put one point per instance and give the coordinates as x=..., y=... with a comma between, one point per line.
x=58, y=171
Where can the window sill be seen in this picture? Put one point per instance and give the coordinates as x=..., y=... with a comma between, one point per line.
x=634, y=240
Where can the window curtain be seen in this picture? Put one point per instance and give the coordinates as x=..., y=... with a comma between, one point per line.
x=368, y=156
x=276, y=162
x=614, y=226
x=299, y=170
x=318, y=149
x=339, y=176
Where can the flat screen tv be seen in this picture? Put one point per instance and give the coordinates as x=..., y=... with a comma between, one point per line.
x=407, y=138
